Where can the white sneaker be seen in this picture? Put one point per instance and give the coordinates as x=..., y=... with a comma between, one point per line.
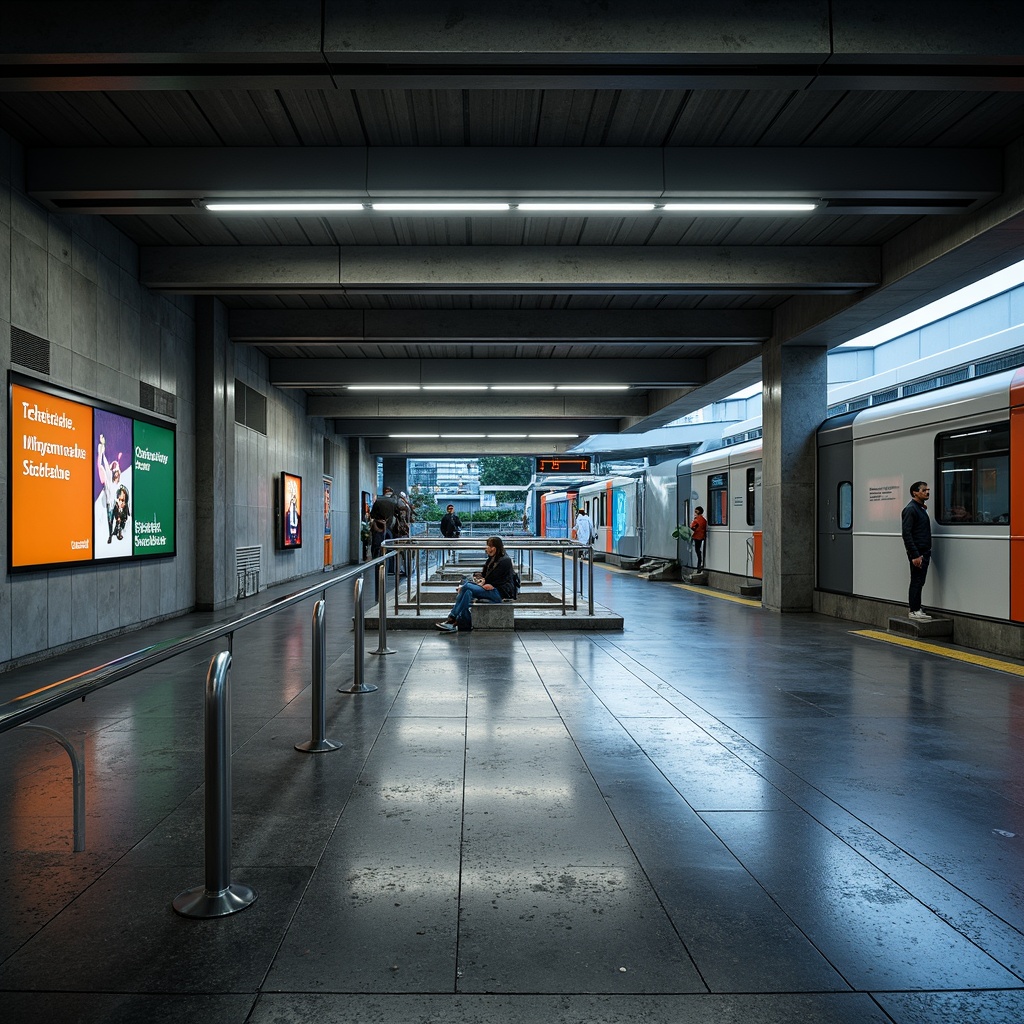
x=920, y=615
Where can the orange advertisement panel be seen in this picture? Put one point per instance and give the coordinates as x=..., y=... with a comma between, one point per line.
x=50, y=480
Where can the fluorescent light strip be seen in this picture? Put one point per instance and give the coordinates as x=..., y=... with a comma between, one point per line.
x=443, y=207
x=414, y=435
x=282, y=206
x=382, y=387
x=443, y=436
x=586, y=207
x=522, y=387
x=553, y=435
x=455, y=387
x=739, y=207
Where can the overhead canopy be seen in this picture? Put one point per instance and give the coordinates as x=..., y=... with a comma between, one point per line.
x=899, y=123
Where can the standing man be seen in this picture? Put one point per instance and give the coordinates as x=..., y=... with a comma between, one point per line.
x=451, y=525
x=917, y=539
x=584, y=531
x=382, y=519
x=699, y=535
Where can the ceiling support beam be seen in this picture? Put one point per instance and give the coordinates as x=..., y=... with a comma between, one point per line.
x=640, y=326
x=845, y=180
x=313, y=374
x=545, y=406
x=406, y=44
x=496, y=270
x=382, y=426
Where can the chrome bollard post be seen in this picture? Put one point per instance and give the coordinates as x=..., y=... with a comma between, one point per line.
x=562, y=553
x=359, y=624
x=590, y=581
x=382, y=612
x=577, y=575
x=318, y=742
x=218, y=897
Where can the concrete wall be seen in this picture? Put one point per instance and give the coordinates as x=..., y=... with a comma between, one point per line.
x=73, y=281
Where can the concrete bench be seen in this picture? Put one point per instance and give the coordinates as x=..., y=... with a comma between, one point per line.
x=494, y=616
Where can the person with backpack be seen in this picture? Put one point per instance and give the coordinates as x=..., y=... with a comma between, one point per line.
x=495, y=583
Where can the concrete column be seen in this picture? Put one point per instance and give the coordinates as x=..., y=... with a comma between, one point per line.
x=794, y=404
x=214, y=483
x=395, y=470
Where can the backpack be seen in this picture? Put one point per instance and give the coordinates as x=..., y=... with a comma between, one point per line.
x=516, y=584
x=464, y=623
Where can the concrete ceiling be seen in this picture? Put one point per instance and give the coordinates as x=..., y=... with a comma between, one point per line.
x=902, y=120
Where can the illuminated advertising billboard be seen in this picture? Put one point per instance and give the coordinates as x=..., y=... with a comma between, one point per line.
x=291, y=511
x=88, y=481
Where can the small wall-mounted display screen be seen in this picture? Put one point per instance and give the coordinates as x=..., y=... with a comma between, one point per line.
x=88, y=481
x=291, y=511
x=564, y=464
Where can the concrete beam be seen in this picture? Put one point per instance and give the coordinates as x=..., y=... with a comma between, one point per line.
x=634, y=326
x=480, y=426
x=436, y=449
x=443, y=406
x=518, y=44
x=848, y=179
x=490, y=270
x=312, y=374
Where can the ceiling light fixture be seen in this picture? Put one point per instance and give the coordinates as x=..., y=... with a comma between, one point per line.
x=279, y=206
x=508, y=436
x=413, y=435
x=596, y=207
x=443, y=436
x=453, y=206
x=553, y=435
x=454, y=387
x=522, y=387
x=382, y=387
x=739, y=206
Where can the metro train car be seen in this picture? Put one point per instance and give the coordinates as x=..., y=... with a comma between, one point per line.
x=612, y=505
x=726, y=482
x=967, y=441
x=556, y=512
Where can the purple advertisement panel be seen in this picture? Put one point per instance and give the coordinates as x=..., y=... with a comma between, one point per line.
x=112, y=507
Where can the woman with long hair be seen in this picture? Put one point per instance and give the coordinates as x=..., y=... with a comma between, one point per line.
x=492, y=583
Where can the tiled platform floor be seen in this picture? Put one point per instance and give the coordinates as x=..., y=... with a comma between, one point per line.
x=718, y=814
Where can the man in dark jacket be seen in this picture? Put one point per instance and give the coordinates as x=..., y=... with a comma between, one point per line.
x=451, y=524
x=382, y=520
x=917, y=539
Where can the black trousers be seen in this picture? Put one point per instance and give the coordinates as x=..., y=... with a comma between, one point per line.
x=698, y=550
x=918, y=575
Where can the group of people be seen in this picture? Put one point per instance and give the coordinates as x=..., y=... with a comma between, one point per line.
x=390, y=516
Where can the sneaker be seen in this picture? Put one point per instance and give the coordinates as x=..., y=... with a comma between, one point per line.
x=446, y=627
x=920, y=616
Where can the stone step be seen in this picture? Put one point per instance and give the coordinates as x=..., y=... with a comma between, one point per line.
x=917, y=628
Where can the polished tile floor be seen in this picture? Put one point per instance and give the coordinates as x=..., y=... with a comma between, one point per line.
x=717, y=815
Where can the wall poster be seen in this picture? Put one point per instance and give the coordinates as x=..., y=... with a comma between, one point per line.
x=89, y=481
x=291, y=511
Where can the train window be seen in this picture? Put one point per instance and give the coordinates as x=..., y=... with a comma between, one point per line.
x=718, y=499
x=751, y=498
x=973, y=467
x=844, y=505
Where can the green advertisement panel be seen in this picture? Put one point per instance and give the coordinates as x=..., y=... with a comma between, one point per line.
x=153, y=513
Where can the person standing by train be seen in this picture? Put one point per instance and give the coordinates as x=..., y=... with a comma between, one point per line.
x=699, y=535
x=917, y=539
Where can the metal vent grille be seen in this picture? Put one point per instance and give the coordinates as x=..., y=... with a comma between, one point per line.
x=157, y=400
x=881, y=397
x=999, y=363
x=250, y=407
x=30, y=350
x=248, y=562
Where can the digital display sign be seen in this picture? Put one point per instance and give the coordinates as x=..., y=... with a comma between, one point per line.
x=88, y=482
x=564, y=464
x=291, y=511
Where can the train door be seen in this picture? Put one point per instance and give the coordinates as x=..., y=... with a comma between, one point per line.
x=685, y=506
x=835, y=506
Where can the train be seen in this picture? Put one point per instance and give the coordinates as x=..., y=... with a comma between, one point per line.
x=966, y=439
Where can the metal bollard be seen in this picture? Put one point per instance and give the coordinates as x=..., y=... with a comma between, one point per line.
x=590, y=582
x=382, y=612
x=318, y=742
x=218, y=897
x=77, y=782
x=358, y=686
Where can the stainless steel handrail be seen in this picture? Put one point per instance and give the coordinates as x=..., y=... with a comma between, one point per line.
x=42, y=700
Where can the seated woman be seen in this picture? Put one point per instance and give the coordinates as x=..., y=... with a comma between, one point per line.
x=493, y=583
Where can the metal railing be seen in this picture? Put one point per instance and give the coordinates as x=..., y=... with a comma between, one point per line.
x=218, y=896
x=571, y=552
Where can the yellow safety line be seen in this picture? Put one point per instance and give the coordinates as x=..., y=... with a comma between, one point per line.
x=942, y=652
x=717, y=593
